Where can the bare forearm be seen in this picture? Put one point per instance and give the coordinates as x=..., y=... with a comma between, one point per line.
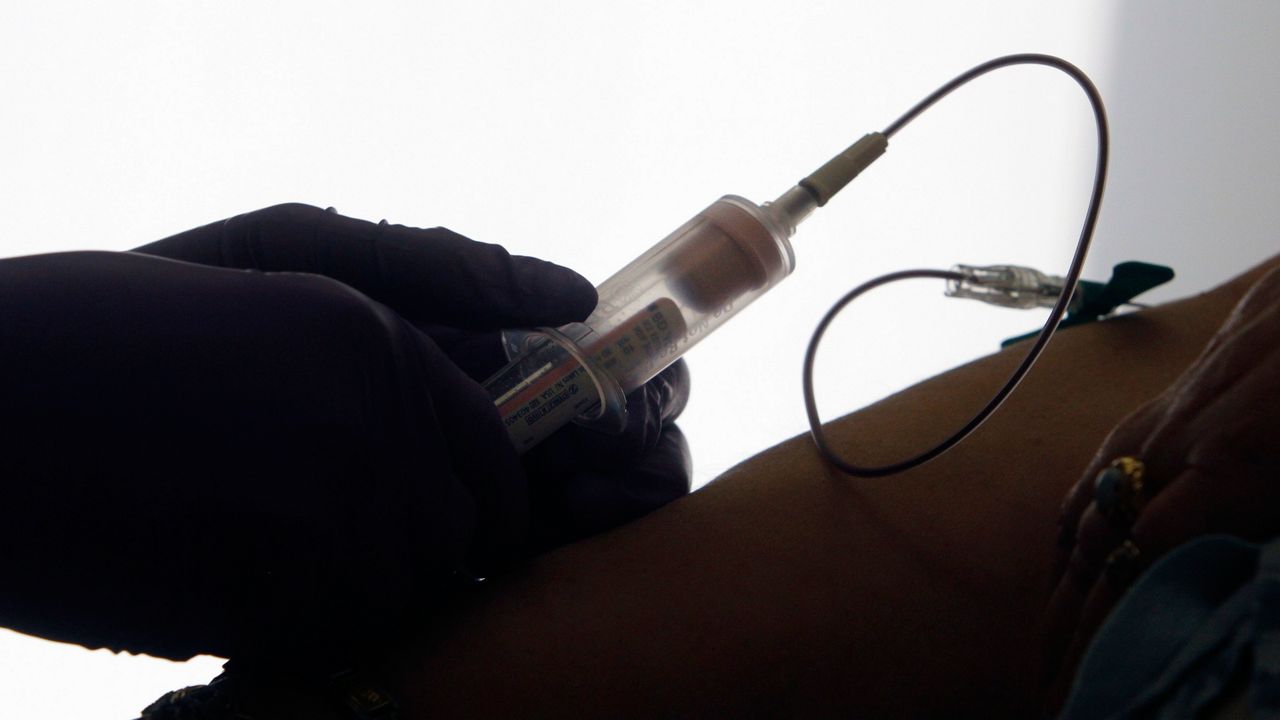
x=786, y=588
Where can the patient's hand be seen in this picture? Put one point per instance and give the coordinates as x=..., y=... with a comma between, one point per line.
x=1211, y=449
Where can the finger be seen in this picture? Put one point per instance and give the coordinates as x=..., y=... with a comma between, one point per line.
x=1246, y=338
x=1200, y=502
x=479, y=450
x=650, y=409
x=1126, y=438
x=583, y=481
x=426, y=275
x=1061, y=616
x=669, y=392
x=1101, y=598
x=439, y=276
x=590, y=501
x=1262, y=297
x=1069, y=606
x=1235, y=434
x=1098, y=536
x=478, y=353
x=1216, y=404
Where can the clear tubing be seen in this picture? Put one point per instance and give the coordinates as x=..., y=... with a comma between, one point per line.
x=650, y=313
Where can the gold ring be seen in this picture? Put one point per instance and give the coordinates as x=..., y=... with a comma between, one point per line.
x=1117, y=490
x=1123, y=564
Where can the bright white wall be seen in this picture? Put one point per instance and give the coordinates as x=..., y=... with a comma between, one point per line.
x=1195, y=106
x=583, y=132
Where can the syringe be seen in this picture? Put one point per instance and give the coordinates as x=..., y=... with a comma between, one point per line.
x=705, y=272
x=660, y=305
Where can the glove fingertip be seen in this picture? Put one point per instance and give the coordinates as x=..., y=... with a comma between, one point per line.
x=555, y=293
x=677, y=384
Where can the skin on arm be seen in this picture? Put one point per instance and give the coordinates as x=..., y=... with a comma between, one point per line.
x=786, y=588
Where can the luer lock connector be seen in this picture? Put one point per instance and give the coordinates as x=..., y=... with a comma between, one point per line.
x=1011, y=286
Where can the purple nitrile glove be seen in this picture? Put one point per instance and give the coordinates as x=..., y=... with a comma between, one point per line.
x=454, y=289
x=238, y=441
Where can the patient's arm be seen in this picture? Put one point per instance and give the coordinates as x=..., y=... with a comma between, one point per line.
x=786, y=589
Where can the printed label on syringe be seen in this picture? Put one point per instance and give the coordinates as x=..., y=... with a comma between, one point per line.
x=562, y=389
x=551, y=396
x=639, y=347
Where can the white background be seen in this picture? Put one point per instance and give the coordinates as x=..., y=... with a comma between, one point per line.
x=583, y=132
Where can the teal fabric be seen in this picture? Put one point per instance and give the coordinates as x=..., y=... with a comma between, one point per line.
x=1176, y=639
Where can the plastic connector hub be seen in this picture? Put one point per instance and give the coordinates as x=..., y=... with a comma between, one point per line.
x=1011, y=286
x=840, y=170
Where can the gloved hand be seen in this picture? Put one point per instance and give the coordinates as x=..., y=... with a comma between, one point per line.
x=581, y=482
x=203, y=459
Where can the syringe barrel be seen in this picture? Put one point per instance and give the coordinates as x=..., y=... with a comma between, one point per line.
x=706, y=271
x=649, y=314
